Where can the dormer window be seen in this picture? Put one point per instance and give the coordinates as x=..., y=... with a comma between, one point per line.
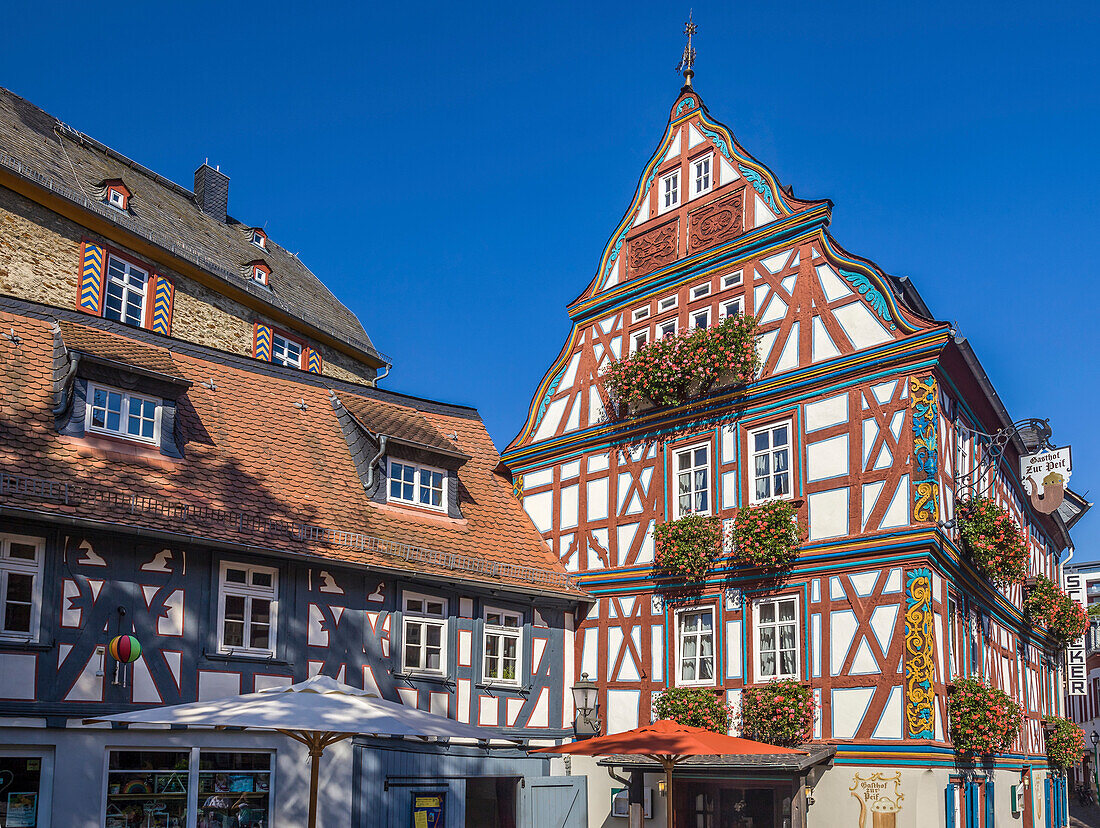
x=259, y=238
x=415, y=485
x=260, y=272
x=118, y=195
x=124, y=414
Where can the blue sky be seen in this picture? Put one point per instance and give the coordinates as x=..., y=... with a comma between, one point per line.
x=453, y=172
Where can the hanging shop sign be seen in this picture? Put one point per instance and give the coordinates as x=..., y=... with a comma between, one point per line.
x=1045, y=476
x=1077, y=673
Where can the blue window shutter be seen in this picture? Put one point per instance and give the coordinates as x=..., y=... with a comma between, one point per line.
x=91, y=279
x=990, y=802
x=949, y=805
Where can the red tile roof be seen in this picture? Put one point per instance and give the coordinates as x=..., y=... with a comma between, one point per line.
x=117, y=348
x=266, y=464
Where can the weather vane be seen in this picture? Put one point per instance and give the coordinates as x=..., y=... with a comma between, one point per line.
x=687, y=61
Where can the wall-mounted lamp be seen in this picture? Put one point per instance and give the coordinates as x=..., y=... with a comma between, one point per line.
x=585, y=699
x=661, y=787
x=809, y=795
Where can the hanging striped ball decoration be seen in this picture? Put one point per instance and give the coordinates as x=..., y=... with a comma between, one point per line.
x=124, y=648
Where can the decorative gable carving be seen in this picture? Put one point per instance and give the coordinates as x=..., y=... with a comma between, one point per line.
x=719, y=221
x=653, y=249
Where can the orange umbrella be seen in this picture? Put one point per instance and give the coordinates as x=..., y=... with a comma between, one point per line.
x=667, y=742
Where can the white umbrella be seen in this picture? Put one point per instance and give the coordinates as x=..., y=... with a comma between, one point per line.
x=317, y=712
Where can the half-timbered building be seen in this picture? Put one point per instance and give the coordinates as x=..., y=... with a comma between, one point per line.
x=871, y=416
x=195, y=453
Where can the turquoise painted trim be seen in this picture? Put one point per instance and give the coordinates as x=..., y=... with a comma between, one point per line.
x=550, y=389
x=761, y=186
x=688, y=101
x=862, y=285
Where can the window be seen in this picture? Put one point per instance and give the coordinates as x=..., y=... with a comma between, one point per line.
x=776, y=638
x=668, y=303
x=122, y=414
x=286, y=351
x=640, y=314
x=700, y=318
x=670, y=190
x=692, y=470
x=20, y=585
x=695, y=648
x=667, y=328
x=417, y=485
x=731, y=280
x=699, y=291
x=260, y=273
x=731, y=308
x=771, y=462
x=503, y=632
x=702, y=177
x=247, y=602
x=639, y=339
x=27, y=778
x=424, y=634
x=126, y=284
x=116, y=198
x=259, y=238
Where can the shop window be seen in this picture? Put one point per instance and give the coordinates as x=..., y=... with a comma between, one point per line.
x=126, y=291
x=147, y=787
x=123, y=414
x=776, y=623
x=247, y=609
x=234, y=790
x=424, y=631
x=21, y=561
x=503, y=645
x=21, y=791
x=770, y=462
x=695, y=648
x=692, y=476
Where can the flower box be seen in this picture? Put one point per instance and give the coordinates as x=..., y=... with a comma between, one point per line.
x=780, y=712
x=694, y=707
x=993, y=539
x=1047, y=606
x=983, y=719
x=1064, y=740
x=687, y=548
x=766, y=535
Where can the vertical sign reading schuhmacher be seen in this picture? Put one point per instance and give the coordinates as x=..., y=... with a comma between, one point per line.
x=1076, y=671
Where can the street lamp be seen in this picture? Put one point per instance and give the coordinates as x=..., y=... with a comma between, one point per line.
x=585, y=700
x=1095, y=737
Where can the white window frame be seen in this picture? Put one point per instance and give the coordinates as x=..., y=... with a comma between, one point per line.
x=259, y=239
x=643, y=335
x=692, y=469
x=424, y=620
x=259, y=274
x=756, y=628
x=736, y=305
x=732, y=280
x=248, y=591
x=661, y=333
x=695, y=162
x=417, y=483
x=19, y=566
x=116, y=198
x=640, y=313
x=664, y=202
x=128, y=268
x=668, y=303
x=751, y=453
x=700, y=291
x=503, y=632
x=695, y=315
x=679, y=665
x=280, y=342
x=124, y=414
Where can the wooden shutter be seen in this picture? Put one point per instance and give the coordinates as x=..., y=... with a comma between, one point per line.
x=261, y=342
x=163, y=294
x=313, y=361
x=90, y=299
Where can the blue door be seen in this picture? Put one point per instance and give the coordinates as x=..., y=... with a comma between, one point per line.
x=554, y=802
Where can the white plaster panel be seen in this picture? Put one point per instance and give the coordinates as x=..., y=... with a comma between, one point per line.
x=488, y=712
x=262, y=681
x=883, y=619
x=463, y=699
x=788, y=358
x=645, y=553
x=539, y=508
x=171, y=623
x=538, y=646
x=821, y=344
x=657, y=651
x=540, y=715
x=815, y=644
x=598, y=462
x=897, y=513
x=762, y=213
x=864, y=582
x=218, y=685
x=828, y=514
x=860, y=325
x=597, y=499
x=614, y=643
x=590, y=652
x=827, y=458
x=567, y=514
x=729, y=444
x=144, y=688
x=511, y=712
x=316, y=635
x=622, y=710
x=863, y=663
x=548, y=426
x=842, y=627
x=849, y=707
x=830, y=283
x=17, y=674
x=729, y=489
x=889, y=723
x=465, y=645
x=89, y=685
x=570, y=374
x=570, y=469
x=540, y=477
x=828, y=412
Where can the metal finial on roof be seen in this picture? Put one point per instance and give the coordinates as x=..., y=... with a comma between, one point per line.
x=687, y=60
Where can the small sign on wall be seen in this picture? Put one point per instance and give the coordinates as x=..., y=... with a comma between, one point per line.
x=427, y=811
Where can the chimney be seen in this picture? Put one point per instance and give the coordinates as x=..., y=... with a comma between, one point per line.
x=212, y=192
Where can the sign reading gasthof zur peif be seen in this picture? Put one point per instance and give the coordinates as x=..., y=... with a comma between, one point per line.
x=1046, y=475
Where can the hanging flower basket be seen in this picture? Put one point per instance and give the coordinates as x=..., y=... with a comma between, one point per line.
x=1045, y=604
x=687, y=548
x=993, y=539
x=694, y=707
x=984, y=720
x=678, y=367
x=778, y=713
x=1065, y=741
x=766, y=535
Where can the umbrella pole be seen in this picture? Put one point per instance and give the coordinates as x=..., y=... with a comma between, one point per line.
x=669, y=815
x=316, y=749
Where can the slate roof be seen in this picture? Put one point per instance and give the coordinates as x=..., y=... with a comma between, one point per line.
x=39, y=147
x=266, y=464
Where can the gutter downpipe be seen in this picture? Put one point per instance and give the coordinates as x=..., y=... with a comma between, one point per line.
x=368, y=484
x=66, y=386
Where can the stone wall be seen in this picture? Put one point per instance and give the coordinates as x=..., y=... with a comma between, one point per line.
x=40, y=262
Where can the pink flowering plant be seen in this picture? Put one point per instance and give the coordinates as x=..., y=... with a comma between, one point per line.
x=766, y=535
x=993, y=539
x=694, y=707
x=677, y=367
x=1065, y=741
x=778, y=713
x=984, y=720
x=687, y=547
x=1047, y=605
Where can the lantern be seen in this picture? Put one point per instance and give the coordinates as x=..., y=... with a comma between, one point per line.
x=125, y=649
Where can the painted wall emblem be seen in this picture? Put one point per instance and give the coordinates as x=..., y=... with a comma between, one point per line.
x=920, y=663
x=1046, y=475
x=926, y=487
x=880, y=795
